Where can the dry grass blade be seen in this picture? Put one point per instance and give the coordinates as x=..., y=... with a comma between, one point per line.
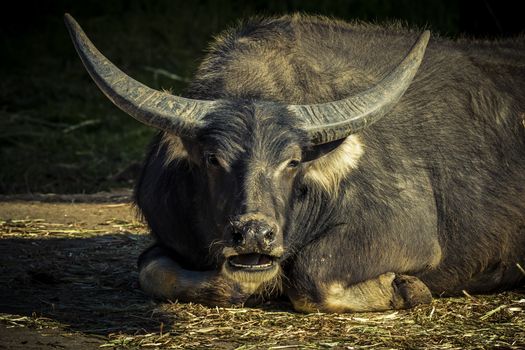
x=520, y=268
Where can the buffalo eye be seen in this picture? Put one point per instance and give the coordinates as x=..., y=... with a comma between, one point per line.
x=212, y=160
x=294, y=163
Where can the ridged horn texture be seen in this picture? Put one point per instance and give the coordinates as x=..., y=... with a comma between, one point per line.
x=173, y=114
x=326, y=122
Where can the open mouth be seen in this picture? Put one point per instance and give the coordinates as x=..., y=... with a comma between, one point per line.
x=253, y=261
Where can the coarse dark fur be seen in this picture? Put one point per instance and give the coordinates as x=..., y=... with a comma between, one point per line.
x=438, y=192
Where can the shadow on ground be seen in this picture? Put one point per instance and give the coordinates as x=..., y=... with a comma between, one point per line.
x=89, y=284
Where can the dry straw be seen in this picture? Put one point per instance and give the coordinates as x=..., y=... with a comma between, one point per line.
x=80, y=280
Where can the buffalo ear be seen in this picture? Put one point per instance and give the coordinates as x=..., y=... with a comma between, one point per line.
x=193, y=149
x=317, y=151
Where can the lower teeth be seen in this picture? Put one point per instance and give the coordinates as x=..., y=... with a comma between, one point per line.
x=261, y=266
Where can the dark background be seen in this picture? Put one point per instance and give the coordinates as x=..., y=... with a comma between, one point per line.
x=59, y=134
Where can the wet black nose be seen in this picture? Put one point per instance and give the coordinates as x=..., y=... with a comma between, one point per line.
x=252, y=234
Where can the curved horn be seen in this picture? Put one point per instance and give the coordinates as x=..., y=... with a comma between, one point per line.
x=326, y=122
x=158, y=109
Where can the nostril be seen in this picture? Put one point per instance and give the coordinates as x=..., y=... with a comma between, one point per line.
x=269, y=235
x=237, y=238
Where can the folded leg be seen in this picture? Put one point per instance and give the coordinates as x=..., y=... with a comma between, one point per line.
x=162, y=277
x=387, y=291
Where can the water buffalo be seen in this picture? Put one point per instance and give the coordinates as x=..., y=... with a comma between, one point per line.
x=331, y=163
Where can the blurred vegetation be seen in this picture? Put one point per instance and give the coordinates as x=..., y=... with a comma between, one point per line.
x=58, y=133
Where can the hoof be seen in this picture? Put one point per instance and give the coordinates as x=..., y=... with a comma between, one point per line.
x=412, y=291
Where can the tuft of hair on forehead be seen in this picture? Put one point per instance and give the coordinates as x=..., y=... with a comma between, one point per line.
x=238, y=127
x=227, y=129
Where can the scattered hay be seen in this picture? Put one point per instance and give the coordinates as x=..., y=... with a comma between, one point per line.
x=453, y=323
x=80, y=279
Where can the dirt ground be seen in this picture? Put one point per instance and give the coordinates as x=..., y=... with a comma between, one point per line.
x=68, y=279
x=69, y=265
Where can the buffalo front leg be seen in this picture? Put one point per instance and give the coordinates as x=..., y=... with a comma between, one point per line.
x=162, y=277
x=385, y=292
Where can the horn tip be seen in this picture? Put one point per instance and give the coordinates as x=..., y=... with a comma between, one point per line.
x=69, y=20
x=425, y=36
